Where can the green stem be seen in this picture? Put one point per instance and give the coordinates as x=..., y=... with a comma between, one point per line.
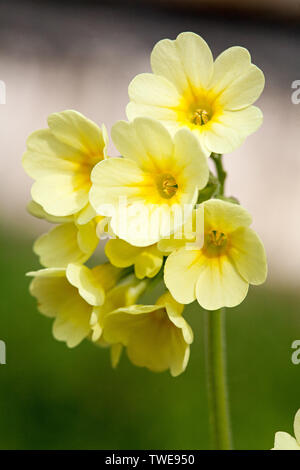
x=216, y=379
x=221, y=173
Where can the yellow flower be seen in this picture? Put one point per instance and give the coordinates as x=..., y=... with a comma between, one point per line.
x=187, y=88
x=158, y=175
x=123, y=294
x=73, y=241
x=155, y=336
x=147, y=260
x=66, y=243
x=218, y=272
x=284, y=441
x=60, y=160
x=69, y=295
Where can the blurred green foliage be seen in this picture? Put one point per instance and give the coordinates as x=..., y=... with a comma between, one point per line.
x=55, y=398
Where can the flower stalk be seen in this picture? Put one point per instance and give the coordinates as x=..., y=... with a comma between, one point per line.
x=215, y=349
x=221, y=173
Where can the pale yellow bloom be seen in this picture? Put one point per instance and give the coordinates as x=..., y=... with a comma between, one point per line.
x=69, y=295
x=123, y=294
x=60, y=160
x=73, y=241
x=66, y=243
x=155, y=336
x=189, y=89
x=158, y=175
x=284, y=441
x=147, y=260
x=218, y=272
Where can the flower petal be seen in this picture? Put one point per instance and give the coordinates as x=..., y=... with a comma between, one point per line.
x=61, y=189
x=284, y=441
x=152, y=341
x=228, y=67
x=115, y=354
x=48, y=272
x=153, y=90
x=190, y=160
x=225, y=216
x=89, y=289
x=36, y=210
x=244, y=90
x=49, y=286
x=196, y=58
x=45, y=154
x=168, y=116
x=72, y=323
x=85, y=215
x=248, y=255
x=156, y=140
x=161, y=113
x=220, y=285
x=121, y=253
x=57, y=298
x=75, y=130
x=182, y=270
x=221, y=139
x=60, y=246
x=231, y=128
x=159, y=346
x=148, y=263
x=114, y=178
x=87, y=238
x=61, y=195
x=185, y=62
x=167, y=245
x=174, y=310
x=145, y=141
x=297, y=426
x=92, y=284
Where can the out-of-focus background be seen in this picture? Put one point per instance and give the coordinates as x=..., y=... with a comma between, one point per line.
x=82, y=55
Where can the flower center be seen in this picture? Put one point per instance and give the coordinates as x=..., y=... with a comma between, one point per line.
x=166, y=185
x=215, y=243
x=217, y=238
x=200, y=117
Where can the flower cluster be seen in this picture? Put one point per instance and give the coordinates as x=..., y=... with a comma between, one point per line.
x=164, y=210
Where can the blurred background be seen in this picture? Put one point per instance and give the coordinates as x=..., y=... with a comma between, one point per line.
x=82, y=55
